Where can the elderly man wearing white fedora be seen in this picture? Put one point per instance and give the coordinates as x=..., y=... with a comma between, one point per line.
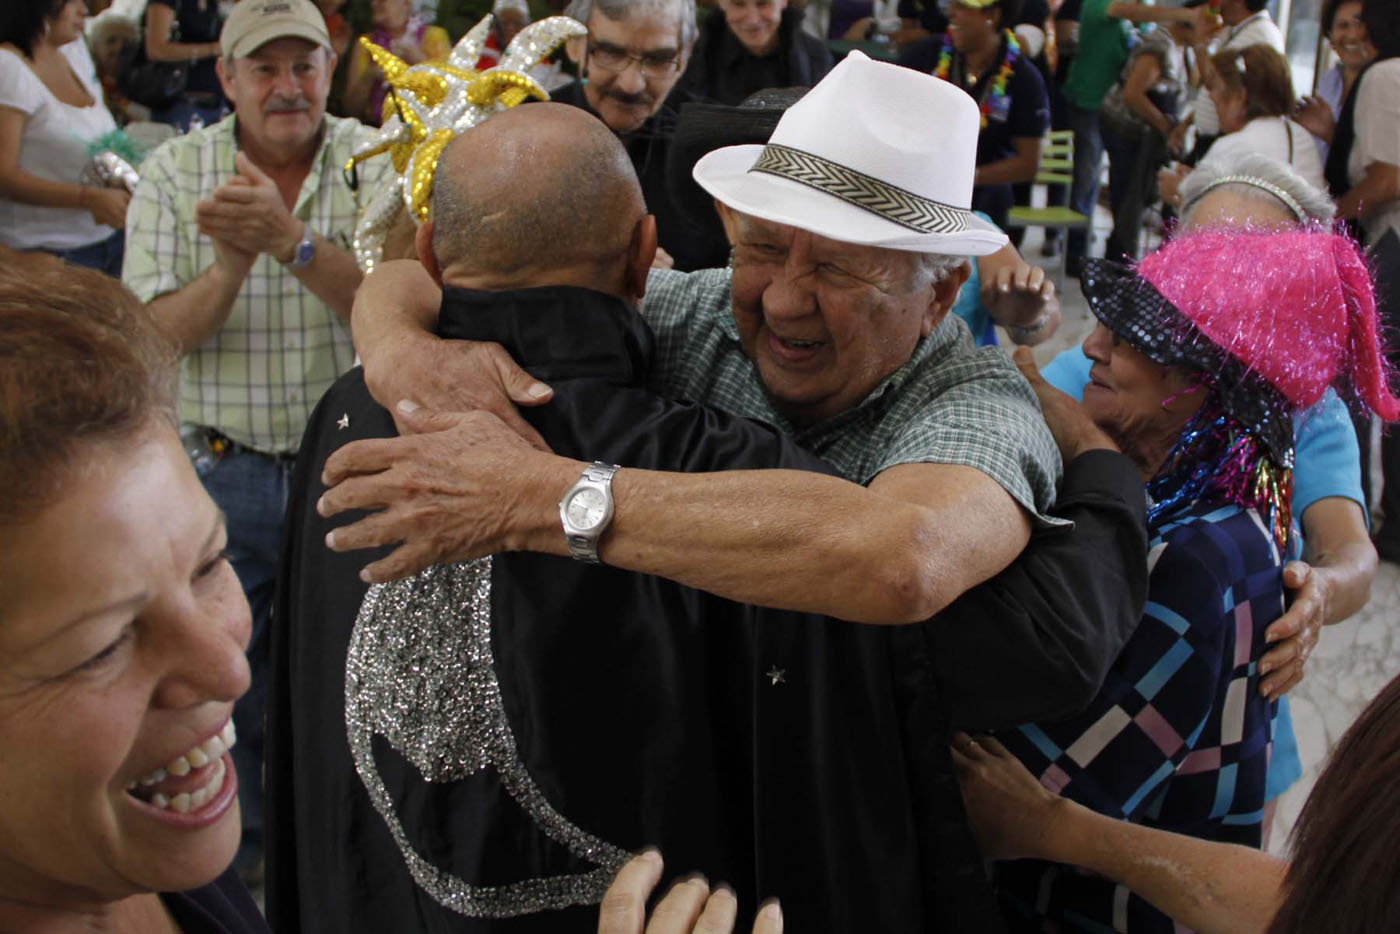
x=850, y=230
x=847, y=348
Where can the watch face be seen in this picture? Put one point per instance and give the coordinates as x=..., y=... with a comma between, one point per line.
x=586, y=508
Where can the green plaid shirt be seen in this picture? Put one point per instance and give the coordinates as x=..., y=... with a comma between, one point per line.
x=952, y=403
x=256, y=379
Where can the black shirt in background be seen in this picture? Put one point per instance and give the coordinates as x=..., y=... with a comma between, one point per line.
x=723, y=71
x=197, y=21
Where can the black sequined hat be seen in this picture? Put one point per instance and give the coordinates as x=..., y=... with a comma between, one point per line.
x=1135, y=311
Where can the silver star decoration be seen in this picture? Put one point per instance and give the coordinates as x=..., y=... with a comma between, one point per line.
x=343, y=422
x=777, y=675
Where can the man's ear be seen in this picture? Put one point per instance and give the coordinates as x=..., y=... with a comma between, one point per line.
x=224, y=69
x=640, y=253
x=577, y=49
x=942, y=295
x=729, y=219
x=423, y=241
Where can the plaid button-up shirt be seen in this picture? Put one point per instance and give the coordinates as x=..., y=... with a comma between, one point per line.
x=258, y=377
x=952, y=403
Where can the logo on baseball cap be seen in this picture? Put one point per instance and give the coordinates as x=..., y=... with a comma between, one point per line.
x=254, y=23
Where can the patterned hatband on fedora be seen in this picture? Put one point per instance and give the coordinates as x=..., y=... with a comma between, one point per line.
x=1135, y=311
x=882, y=199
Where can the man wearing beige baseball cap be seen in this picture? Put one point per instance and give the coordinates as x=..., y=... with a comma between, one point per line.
x=237, y=238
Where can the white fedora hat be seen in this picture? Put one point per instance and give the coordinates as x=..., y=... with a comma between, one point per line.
x=874, y=154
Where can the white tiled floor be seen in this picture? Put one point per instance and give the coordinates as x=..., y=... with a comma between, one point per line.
x=1353, y=660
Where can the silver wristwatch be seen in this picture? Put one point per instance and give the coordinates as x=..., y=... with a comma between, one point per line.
x=587, y=510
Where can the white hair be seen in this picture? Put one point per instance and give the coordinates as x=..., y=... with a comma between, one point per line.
x=1253, y=177
x=682, y=10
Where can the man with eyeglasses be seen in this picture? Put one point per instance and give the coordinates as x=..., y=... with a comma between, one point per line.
x=629, y=64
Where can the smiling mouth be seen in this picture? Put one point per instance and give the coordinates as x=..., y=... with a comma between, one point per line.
x=190, y=780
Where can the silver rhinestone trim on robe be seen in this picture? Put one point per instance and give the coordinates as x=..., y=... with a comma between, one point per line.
x=420, y=673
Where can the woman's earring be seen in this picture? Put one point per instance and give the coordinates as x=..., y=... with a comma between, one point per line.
x=730, y=264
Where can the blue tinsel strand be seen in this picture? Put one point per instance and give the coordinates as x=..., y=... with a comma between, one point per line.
x=1216, y=461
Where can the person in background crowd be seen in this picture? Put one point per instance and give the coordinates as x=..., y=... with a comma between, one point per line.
x=1197, y=380
x=1253, y=95
x=188, y=31
x=751, y=45
x=1137, y=116
x=1246, y=23
x=1346, y=34
x=630, y=66
x=399, y=30
x=1363, y=173
x=122, y=628
x=1064, y=29
x=107, y=38
x=51, y=110
x=982, y=56
x=238, y=241
x=1343, y=853
x=1252, y=92
x=508, y=18
x=852, y=20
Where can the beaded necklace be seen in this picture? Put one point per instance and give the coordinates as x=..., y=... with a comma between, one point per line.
x=987, y=102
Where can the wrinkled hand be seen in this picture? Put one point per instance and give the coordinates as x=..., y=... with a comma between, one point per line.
x=107, y=205
x=663, y=260
x=451, y=490
x=248, y=213
x=690, y=907
x=1315, y=116
x=454, y=376
x=1294, y=634
x=1012, y=814
x=1022, y=299
x=1074, y=432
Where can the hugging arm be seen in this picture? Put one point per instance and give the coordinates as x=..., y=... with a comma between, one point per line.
x=1213, y=888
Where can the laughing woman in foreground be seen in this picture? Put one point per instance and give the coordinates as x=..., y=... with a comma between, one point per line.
x=122, y=628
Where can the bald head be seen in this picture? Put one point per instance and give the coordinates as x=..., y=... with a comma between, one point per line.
x=542, y=194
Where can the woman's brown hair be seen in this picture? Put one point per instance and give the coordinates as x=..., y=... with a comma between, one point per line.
x=81, y=361
x=1346, y=846
x=1263, y=75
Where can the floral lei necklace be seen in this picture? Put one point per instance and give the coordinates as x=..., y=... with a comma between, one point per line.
x=996, y=100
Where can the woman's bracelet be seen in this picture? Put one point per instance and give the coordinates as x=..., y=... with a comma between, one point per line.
x=1020, y=332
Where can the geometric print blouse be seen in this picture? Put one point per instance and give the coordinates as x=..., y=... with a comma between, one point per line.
x=1178, y=737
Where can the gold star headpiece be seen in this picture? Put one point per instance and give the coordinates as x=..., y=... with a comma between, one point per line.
x=429, y=104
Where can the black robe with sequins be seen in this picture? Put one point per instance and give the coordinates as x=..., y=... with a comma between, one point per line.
x=786, y=754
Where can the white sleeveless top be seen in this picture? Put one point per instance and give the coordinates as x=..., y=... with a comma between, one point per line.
x=54, y=147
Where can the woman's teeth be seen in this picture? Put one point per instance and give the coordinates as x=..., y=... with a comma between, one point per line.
x=185, y=802
x=211, y=750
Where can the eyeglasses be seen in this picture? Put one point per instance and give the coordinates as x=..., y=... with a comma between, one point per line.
x=661, y=63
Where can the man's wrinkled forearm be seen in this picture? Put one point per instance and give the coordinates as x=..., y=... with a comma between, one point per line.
x=393, y=315
x=196, y=312
x=789, y=540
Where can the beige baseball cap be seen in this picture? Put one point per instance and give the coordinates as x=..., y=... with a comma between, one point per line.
x=254, y=23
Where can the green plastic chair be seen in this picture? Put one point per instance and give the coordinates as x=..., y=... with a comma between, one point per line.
x=1056, y=168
